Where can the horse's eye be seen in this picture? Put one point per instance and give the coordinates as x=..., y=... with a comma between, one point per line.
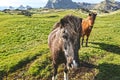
x=65, y=37
x=65, y=47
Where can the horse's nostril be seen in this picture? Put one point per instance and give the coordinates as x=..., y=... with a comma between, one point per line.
x=70, y=65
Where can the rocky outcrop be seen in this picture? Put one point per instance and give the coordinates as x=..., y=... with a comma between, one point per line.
x=68, y=4
x=11, y=8
x=108, y=5
x=86, y=5
x=28, y=7
x=61, y=4
x=21, y=7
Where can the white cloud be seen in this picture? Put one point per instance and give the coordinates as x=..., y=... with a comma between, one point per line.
x=4, y=2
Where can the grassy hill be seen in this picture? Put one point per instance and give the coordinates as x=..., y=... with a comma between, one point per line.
x=24, y=52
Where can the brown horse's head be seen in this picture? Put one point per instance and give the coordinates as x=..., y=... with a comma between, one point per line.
x=93, y=15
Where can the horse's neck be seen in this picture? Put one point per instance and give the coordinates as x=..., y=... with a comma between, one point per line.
x=90, y=20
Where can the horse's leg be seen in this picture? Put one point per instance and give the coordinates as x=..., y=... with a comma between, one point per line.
x=55, y=72
x=65, y=73
x=82, y=40
x=87, y=40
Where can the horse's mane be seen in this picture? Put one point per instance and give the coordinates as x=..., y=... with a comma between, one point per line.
x=73, y=22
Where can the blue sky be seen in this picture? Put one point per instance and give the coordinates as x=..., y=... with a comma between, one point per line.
x=36, y=3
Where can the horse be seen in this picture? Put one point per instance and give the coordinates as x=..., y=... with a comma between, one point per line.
x=64, y=44
x=87, y=25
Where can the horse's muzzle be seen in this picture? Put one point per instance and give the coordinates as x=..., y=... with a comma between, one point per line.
x=73, y=65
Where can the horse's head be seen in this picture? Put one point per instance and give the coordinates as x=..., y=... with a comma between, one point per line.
x=93, y=15
x=70, y=34
x=91, y=18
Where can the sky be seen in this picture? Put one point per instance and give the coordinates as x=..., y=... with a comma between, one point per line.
x=36, y=3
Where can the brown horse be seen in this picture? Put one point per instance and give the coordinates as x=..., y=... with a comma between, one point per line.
x=87, y=26
x=64, y=43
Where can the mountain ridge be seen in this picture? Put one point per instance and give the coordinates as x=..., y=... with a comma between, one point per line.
x=107, y=5
x=64, y=4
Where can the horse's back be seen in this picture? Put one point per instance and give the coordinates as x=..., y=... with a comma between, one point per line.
x=53, y=38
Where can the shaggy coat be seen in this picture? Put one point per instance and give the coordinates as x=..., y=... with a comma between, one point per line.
x=64, y=42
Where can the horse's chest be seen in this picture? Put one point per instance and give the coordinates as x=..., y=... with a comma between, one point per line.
x=90, y=28
x=59, y=57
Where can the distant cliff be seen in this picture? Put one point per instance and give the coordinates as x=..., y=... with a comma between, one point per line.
x=86, y=5
x=108, y=5
x=61, y=4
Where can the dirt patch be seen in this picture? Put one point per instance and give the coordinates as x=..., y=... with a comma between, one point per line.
x=86, y=71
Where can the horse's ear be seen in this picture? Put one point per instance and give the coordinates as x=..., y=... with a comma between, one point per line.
x=90, y=14
x=63, y=21
x=81, y=19
x=95, y=13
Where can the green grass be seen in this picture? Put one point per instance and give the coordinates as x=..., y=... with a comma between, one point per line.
x=23, y=41
x=41, y=67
